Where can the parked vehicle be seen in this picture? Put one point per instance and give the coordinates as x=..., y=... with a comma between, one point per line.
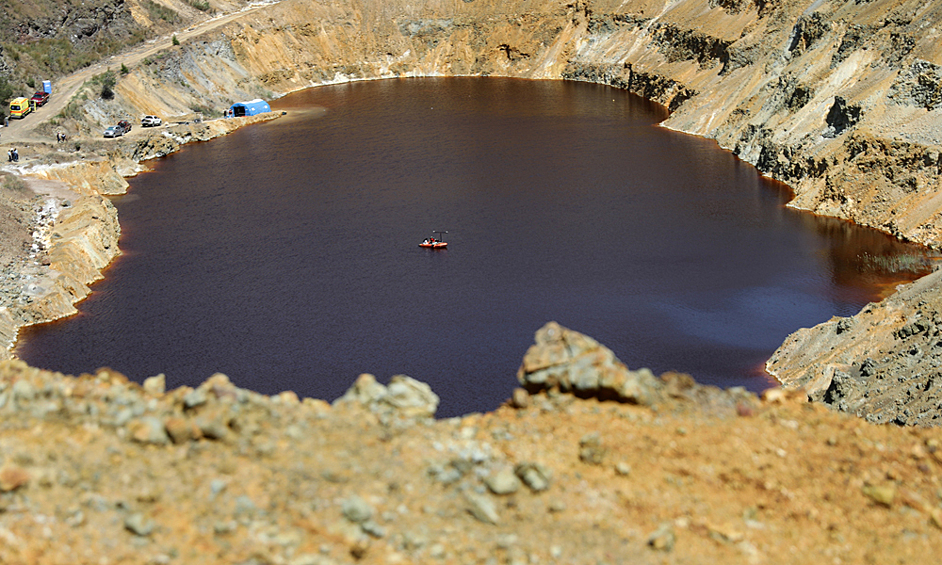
x=125, y=126
x=19, y=107
x=114, y=131
x=40, y=98
x=150, y=121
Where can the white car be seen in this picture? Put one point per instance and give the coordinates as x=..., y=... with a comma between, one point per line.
x=150, y=121
x=114, y=131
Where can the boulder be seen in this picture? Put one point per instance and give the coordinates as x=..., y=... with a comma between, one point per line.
x=569, y=361
x=404, y=397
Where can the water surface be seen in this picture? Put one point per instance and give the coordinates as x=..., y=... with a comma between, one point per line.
x=285, y=254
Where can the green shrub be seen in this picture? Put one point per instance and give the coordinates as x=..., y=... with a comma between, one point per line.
x=6, y=91
x=202, y=5
x=107, y=80
x=205, y=110
x=175, y=41
x=124, y=69
x=72, y=111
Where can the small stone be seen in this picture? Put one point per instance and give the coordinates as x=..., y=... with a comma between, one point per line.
x=76, y=519
x=148, y=430
x=663, y=538
x=217, y=486
x=881, y=494
x=359, y=549
x=288, y=397
x=245, y=506
x=213, y=424
x=371, y=528
x=356, y=510
x=623, y=468
x=503, y=481
x=196, y=397
x=222, y=528
x=181, y=430
x=534, y=475
x=411, y=398
x=12, y=478
x=520, y=399
x=590, y=449
x=139, y=524
x=482, y=507
x=24, y=390
x=156, y=385
x=935, y=516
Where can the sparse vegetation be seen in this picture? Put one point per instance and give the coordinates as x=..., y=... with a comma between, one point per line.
x=72, y=111
x=175, y=41
x=124, y=69
x=205, y=110
x=6, y=91
x=158, y=12
x=107, y=80
x=13, y=183
x=904, y=263
x=202, y=5
x=53, y=57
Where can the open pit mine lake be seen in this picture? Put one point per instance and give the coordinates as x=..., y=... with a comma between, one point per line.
x=286, y=254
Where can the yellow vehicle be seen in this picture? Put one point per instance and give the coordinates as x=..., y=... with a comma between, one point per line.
x=19, y=107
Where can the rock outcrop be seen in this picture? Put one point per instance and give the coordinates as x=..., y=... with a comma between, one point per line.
x=884, y=364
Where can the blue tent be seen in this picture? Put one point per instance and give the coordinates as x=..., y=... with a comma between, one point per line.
x=250, y=108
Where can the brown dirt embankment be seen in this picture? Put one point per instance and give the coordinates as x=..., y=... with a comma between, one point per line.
x=63, y=230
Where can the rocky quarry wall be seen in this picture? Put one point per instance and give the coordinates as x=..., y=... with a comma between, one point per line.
x=838, y=99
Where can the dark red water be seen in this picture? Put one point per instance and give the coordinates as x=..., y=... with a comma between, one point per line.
x=285, y=255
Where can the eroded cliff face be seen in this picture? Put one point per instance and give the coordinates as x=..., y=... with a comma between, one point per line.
x=73, y=236
x=73, y=227
x=882, y=364
x=839, y=100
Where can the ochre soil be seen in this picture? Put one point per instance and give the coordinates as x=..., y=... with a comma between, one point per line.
x=781, y=480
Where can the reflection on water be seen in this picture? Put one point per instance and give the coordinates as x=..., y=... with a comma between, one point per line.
x=285, y=255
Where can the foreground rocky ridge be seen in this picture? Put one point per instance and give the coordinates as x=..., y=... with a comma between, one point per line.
x=126, y=473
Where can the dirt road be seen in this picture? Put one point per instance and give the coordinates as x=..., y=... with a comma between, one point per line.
x=63, y=89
